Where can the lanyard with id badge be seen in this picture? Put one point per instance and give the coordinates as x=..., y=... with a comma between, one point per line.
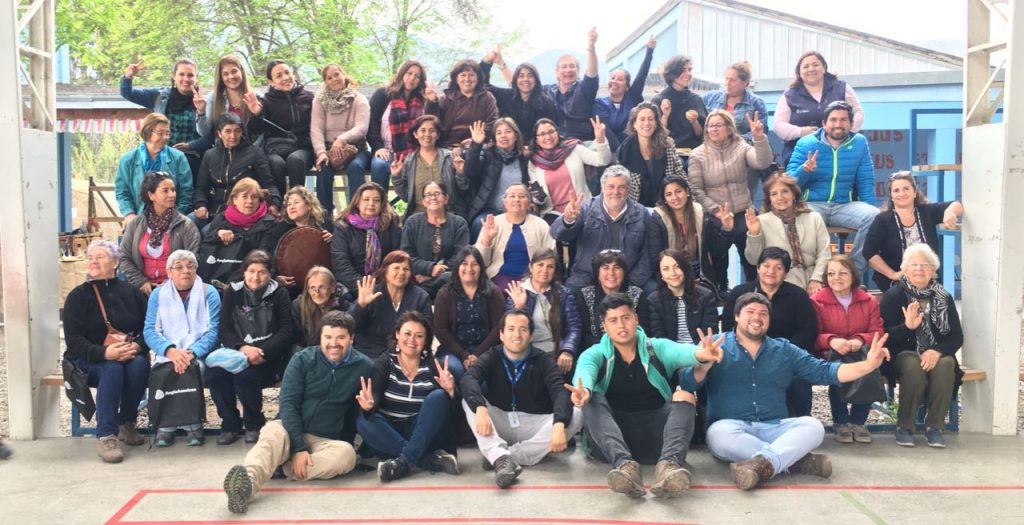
x=514, y=373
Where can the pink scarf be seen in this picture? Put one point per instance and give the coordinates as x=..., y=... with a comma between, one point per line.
x=237, y=218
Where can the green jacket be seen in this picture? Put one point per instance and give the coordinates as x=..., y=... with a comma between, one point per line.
x=674, y=356
x=320, y=400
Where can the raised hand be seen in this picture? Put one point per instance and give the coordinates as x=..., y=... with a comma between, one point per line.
x=478, y=132
x=710, y=350
x=591, y=38
x=365, y=395
x=599, y=129
x=133, y=69
x=666, y=110
x=489, y=231
x=199, y=101
x=396, y=166
x=572, y=209
x=429, y=92
x=912, y=315
x=365, y=287
x=811, y=163
x=497, y=55
x=753, y=222
x=878, y=351
x=756, y=127
x=489, y=57
x=725, y=216
x=580, y=395
x=252, y=102
x=652, y=42
x=517, y=293
x=444, y=377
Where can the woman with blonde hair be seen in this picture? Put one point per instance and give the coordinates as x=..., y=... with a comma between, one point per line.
x=340, y=118
x=244, y=225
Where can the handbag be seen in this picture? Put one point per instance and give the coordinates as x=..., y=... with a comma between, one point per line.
x=76, y=386
x=114, y=336
x=339, y=160
x=280, y=146
x=175, y=399
x=867, y=389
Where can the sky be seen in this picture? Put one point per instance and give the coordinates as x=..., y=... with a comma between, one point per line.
x=564, y=24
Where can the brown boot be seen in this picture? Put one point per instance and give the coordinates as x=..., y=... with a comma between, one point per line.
x=813, y=464
x=747, y=474
x=670, y=480
x=109, y=449
x=126, y=432
x=626, y=479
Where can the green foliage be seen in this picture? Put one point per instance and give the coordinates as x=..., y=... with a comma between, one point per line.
x=97, y=155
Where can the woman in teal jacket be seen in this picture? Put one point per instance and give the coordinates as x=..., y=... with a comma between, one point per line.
x=153, y=154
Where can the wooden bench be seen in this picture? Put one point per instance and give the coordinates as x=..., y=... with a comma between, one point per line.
x=841, y=234
x=970, y=375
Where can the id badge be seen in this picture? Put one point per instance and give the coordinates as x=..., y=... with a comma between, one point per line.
x=513, y=419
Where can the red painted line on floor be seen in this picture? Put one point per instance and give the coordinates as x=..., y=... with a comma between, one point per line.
x=405, y=520
x=126, y=508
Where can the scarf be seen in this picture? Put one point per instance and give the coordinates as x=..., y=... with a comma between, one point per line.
x=936, y=310
x=373, y=251
x=182, y=324
x=551, y=160
x=178, y=103
x=335, y=102
x=917, y=224
x=401, y=116
x=507, y=156
x=788, y=219
x=237, y=218
x=156, y=164
x=158, y=224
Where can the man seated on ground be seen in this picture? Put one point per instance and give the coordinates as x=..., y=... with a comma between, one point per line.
x=320, y=381
x=747, y=398
x=630, y=414
x=525, y=413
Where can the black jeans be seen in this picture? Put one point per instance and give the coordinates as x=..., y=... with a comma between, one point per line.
x=719, y=242
x=290, y=171
x=248, y=386
x=647, y=437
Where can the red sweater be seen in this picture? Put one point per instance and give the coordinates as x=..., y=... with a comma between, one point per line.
x=862, y=320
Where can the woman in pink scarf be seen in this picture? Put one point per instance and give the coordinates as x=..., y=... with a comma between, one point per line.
x=244, y=225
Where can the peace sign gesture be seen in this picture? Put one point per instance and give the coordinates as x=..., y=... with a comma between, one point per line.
x=756, y=127
x=365, y=288
x=444, y=377
x=878, y=351
x=429, y=92
x=598, y=129
x=252, y=103
x=133, y=69
x=710, y=350
x=517, y=293
x=477, y=132
x=811, y=163
x=726, y=217
x=753, y=222
x=572, y=209
x=580, y=395
x=397, y=165
x=199, y=101
x=365, y=395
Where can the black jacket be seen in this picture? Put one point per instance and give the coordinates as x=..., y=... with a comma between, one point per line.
x=299, y=334
x=511, y=104
x=264, y=322
x=903, y=339
x=679, y=128
x=375, y=324
x=588, y=303
x=289, y=110
x=222, y=168
x=662, y=320
x=483, y=168
x=883, y=237
x=84, y=330
x=348, y=251
x=255, y=238
x=650, y=182
x=793, y=316
x=539, y=391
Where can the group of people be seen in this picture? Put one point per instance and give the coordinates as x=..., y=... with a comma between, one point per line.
x=536, y=287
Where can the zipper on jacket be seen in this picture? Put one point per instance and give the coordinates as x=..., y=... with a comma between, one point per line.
x=227, y=167
x=835, y=169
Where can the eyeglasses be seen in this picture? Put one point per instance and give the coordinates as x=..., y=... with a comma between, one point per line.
x=319, y=289
x=838, y=274
x=183, y=268
x=920, y=266
x=433, y=195
x=715, y=126
x=546, y=133
x=98, y=258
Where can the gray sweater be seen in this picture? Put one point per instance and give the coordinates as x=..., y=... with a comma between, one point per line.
x=183, y=235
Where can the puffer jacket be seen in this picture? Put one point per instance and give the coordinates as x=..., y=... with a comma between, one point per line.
x=288, y=110
x=841, y=170
x=718, y=173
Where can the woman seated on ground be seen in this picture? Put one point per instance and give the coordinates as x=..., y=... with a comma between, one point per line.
x=255, y=335
x=153, y=154
x=378, y=306
x=119, y=370
x=231, y=83
x=302, y=210
x=492, y=169
x=648, y=153
x=465, y=101
x=680, y=307
x=718, y=176
x=678, y=223
x=609, y=277
x=559, y=166
x=283, y=117
x=789, y=224
x=507, y=241
x=624, y=95
x=908, y=219
x=160, y=230
x=524, y=101
x=393, y=110
x=364, y=234
x=921, y=319
x=848, y=319
x=245, y=225
x=427, y=163
x=467, y=313
x=182, y=323
x=320, y=295
x=432, y=239
x=340, y=118
x=231, y=159
x=407, y=405
x=552, y=306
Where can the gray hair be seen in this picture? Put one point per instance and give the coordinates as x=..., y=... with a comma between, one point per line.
x=112, y=249
x=181, y=255
x=920, y=250
x=614, y=171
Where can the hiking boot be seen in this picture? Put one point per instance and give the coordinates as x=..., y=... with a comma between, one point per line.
x=5, y=451
x=195, y=438
x=164, y=439
x=844, y=433
x=228, y=437
x=129, y=434
x=934, y=437
x=861, y=434
x=626, y=479
x=109, y=449
x=904, y=437
x=392, y=469
x=747, y=474
x=813, y=464
x=441, y=461
x=486, y=465
x=670, y=480
x=505, y=471
x=252, y=436
x=238, y=487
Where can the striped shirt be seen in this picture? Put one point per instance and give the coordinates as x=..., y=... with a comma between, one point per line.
x=403, y=398
x=682, y=328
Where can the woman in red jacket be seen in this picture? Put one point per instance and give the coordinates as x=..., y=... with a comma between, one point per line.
x=848, y=317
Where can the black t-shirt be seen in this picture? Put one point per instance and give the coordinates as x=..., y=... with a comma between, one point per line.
x=629, y=390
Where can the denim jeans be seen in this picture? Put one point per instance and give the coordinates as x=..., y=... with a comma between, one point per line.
x=857, y=215
x=454, y=365
x=355, y=174
x=414, y=437
x=119, y=390
x=247, y=386
x=783, y=442
x=380, y=172
x=856, y=414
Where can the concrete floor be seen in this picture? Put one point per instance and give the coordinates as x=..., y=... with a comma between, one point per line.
x=978, y=479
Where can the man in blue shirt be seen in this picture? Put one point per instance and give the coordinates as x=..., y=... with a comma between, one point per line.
x=747, y=398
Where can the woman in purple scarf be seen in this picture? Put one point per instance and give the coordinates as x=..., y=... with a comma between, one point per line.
x=364, y=233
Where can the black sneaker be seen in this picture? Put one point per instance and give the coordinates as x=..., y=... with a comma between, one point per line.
x=505, y=471
x=228, y=437
x=441, y=461
x=252, y=436
x=238, y=487
x=486, y=465
x=392, y=469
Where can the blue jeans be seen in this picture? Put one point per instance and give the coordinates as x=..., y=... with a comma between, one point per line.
x=380, y=172
x=414, y=437
x=857, y=215
x=454, y=365
x=783, y=442
x=355, y=173
x=119, y=390
x=841, y=415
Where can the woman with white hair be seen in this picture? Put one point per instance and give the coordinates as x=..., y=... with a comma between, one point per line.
x=118, y=369
x=181, y=327
x=924, y=335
